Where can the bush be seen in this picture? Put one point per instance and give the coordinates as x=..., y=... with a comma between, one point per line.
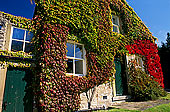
x=142, y=86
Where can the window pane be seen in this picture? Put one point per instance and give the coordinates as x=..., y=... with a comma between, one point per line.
x=70, y=49
x=28, y=47
x=114, y=20
x=69, y=68
x=78, y=51
x=79, y=66
x=139, y=61
x=115, y=29
x=29, y=36
x=18, y=34
x=16, y=46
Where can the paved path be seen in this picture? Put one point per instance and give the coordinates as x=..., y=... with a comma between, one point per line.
x=140, y=105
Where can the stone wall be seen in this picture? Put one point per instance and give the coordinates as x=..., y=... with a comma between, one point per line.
x=98, y=97
x=3, y=25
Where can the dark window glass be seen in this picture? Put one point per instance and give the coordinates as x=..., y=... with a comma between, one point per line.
x=78, y=51
x=104, y=97
x=115, y=29
x=69, y=66
x=18, y=34
x=70, y=49
x=17, y=46
x=29, y=36
x=28, y=47
x=79, y=66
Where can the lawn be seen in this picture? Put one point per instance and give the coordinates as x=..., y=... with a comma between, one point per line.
x=159, y=108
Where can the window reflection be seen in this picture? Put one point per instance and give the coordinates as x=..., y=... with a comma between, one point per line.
x=79, y=66
x=18, y=34
x=75, y=55
x=115, y=20
x=29, y=36
x=78, y=51
x=21, y=40
x=70, y=49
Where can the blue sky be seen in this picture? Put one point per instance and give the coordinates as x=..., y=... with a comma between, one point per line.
x=22, y=8
x=154, y=13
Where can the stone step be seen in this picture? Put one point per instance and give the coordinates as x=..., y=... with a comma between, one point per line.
x=120, y=98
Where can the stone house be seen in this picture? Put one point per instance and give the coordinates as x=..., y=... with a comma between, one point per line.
x=16, y=92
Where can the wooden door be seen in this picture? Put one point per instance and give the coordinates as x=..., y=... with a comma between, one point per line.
x=118, y=78
x=17, y=97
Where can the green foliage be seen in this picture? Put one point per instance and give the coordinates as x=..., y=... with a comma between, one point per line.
x=18, y=21
x=142, y=86
x=18, y=59
x=88, y=22
x=164, y=53
x=166, y=97
x=84, y=21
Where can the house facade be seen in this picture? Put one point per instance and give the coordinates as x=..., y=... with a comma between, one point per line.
x=77, y=58
x=15, y=42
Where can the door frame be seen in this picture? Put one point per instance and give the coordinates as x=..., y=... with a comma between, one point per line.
x=123, y=61
x=3, y=72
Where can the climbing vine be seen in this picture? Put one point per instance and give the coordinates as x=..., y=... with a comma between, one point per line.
x=10, y=58
x=87, y=22
x=149, y=51
x=20, y=22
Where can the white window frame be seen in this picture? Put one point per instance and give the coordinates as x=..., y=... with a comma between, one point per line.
x=117, y=18
x=24, y=41
x=74, y=58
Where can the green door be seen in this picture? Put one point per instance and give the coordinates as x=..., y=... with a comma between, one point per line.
x=17, y=94
x=118, y=78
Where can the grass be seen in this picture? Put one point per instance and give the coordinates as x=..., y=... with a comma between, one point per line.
x=159, y=108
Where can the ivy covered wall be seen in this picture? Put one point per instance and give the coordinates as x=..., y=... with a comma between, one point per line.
x=87, y=22
x=9, y=58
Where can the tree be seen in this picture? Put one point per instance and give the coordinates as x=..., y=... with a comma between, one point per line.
x=168, y=40
x=164, y=53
